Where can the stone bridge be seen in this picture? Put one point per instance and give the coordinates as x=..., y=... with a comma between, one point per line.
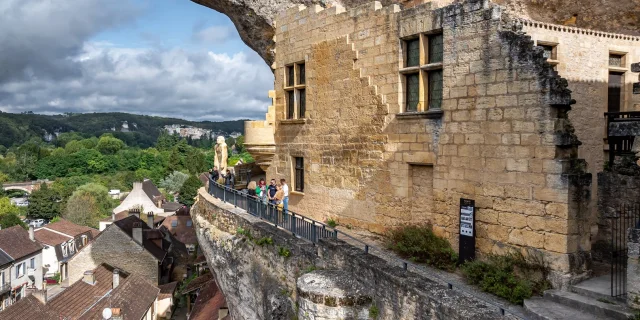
x=28, y=186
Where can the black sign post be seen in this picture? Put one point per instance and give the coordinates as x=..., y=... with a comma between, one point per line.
x=467, y=238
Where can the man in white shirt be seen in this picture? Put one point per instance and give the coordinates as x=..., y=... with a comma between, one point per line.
x=285, y=201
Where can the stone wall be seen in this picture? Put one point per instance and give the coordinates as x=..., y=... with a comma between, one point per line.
x=260, y=283
x=583, y=59
x=116, y=248
x=503, y=138
x=615, y=192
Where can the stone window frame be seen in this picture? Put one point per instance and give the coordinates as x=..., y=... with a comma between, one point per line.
x=295, y=187
x=622, y=70
x=553, y=60
x=295, y=88
x=422, y=70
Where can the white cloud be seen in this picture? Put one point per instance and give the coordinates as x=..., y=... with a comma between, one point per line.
x=212, y=35
x=174, y=82
x=49, y=65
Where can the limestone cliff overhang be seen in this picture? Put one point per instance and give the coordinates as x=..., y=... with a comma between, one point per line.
x=255, y=20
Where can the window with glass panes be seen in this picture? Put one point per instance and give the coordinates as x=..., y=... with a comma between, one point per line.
x=423, y=85
x=299, y=174
x=616, y=60
x=295, y=80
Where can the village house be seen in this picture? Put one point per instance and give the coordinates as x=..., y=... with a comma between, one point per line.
x=153, y=220
x=131, y=245
x=181, y=228
x=61, y=240
x=385, y=116
x=105, y=290
x=21, y=260
x=210, y=304
x=146, y=197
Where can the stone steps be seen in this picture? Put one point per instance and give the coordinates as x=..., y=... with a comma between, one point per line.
x=558, y=305
x=543, y=309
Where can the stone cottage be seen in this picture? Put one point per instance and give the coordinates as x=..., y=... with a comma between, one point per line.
x=385, y=116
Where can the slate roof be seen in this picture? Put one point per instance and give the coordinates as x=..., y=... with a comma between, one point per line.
x=133, y=297
x=208, y=303
x=5, y=258
x=182, y=232
x=80, y=296
x=68, y=228
x=171, y=206
x=152, y=191
x=197, y=283
x=49, y=237
x=28, y=308
x=124, y=214
x=148, y=234
x=15, y=242
x=167, y=290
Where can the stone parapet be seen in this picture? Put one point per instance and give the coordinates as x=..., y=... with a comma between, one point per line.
x=261, y=281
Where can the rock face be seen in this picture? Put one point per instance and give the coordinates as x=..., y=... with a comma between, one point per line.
x=267, y=273
x=254, y=19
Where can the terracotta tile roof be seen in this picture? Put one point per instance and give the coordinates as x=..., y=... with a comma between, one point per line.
x=68, y=228
x=15, y=242
x=49, y=237
x=184, y=231
x=95, y=233
x=5, y=258
x=127, y=224
x=198, y=282
x=28, y=308
x=80, y=296
x=167, y=290
x=208, y=303
x=134, y=296
x=171, y=206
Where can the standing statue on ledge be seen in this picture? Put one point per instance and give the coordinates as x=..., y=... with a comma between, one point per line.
x=220, y=156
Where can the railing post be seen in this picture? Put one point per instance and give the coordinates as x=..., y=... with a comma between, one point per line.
x=235, y=200
x=293, y=223
x=313, y=231
x=366, y=248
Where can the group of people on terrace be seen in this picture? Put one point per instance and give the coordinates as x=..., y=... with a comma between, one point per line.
x=276, y=194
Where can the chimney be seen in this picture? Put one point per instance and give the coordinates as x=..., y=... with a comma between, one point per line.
x=41, y=295
x=116, y=278
x=31, y=233
x=150, y=219
x=223, y=312
x=137, y=232
x=134, y=212
x=113, y=216
x=89, y=277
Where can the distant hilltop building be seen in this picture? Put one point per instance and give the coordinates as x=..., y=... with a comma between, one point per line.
x=195, y=133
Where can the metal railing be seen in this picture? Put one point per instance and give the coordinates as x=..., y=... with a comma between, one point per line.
x=313, y=230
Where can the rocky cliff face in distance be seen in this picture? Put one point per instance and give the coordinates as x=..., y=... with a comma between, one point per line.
x=254, y=19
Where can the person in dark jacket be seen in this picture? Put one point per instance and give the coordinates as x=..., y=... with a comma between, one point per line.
x=215, y=175
x=229, y=180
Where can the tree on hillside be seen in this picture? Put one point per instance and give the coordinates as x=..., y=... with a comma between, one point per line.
x=8, y=220
x=166, y=141
x=6, y=207
x=44, y=203
x=82, y=210
x=173, y=182
x=195, y=162
x=109, y=145
x=88, y=204
x=189, y=190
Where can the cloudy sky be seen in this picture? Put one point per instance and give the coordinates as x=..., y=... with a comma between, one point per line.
x=156, y=57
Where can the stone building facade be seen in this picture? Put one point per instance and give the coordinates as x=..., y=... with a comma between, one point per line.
x=117, y=248
x=385, y=117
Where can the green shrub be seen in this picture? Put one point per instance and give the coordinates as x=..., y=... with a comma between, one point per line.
x=374, y=312
x=418, y=243
x=510, y=276
x=241, y=231
x=332, y=223
x=284, y=252
x=264, y=240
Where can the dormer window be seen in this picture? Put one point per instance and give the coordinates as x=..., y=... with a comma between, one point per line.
x=64, y=249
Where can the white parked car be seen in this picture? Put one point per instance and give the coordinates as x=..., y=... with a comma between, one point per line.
x=37, y=223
